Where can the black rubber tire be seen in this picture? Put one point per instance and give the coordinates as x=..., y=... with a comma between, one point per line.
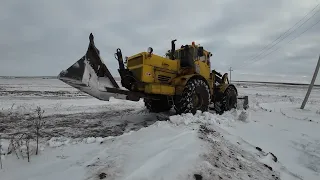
x=194, y=89
x=230, y=99
x=157, y=105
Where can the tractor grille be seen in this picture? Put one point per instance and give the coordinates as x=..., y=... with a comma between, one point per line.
x=163, y=78
x=135, y=61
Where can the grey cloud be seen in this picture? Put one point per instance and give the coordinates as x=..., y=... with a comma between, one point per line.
x=44, y=37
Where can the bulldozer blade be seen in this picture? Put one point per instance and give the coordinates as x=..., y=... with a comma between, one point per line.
x=90, y=75
x=244, y=102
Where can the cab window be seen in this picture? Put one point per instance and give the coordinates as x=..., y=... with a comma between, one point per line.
x=193, y=52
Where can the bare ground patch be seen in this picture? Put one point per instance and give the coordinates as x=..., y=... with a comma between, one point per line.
x=82, y=125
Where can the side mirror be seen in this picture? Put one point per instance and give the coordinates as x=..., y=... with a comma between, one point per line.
x=200, y=51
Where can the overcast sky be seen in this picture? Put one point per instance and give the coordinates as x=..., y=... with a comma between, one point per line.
x=40, y=37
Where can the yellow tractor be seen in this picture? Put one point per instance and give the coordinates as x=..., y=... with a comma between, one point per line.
x=182, y=79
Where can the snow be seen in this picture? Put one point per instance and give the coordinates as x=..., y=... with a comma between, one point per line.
x=151, y=152
x=92, y=84
x=91, y=79
x=278, y=125
x=58, y=141
x=84, y=137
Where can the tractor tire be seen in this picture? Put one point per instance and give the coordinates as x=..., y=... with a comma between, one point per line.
x=230, y=99
x=157, y=105
x=195, y=96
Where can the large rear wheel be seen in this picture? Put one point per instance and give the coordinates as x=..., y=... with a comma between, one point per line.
x=195, y=96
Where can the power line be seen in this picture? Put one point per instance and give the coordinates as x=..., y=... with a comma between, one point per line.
x=287, y=32
x=291, y=40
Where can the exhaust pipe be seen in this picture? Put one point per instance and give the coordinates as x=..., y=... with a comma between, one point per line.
x=173, y=49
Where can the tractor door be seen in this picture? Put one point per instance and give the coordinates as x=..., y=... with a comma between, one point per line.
x=201, y=62
x=186, y=56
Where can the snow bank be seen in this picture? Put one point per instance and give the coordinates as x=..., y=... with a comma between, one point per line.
x=291, y=134
x=208, y=118
x=229, y=161
x=160, y=151
x=90, y=140
x=189, y=118
x=58, y=141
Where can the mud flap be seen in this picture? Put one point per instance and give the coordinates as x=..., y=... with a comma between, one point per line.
x=90, y=75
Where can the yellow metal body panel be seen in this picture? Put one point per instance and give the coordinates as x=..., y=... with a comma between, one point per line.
x=147, y=74
x=163, y=89
x=161, y=62
x=204, y=69
x=161, y=75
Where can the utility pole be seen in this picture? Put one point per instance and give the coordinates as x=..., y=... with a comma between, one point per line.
x=311, y=84
x=230, y=69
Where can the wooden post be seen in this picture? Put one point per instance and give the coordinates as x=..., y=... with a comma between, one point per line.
x=311, y=85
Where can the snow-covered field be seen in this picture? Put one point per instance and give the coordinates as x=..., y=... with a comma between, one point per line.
x=84, y=138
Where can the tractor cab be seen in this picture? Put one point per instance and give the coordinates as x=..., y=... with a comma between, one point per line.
x=189, y=54
x=192, y=59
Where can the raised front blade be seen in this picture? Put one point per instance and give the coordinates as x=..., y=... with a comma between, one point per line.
x=90, y=75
